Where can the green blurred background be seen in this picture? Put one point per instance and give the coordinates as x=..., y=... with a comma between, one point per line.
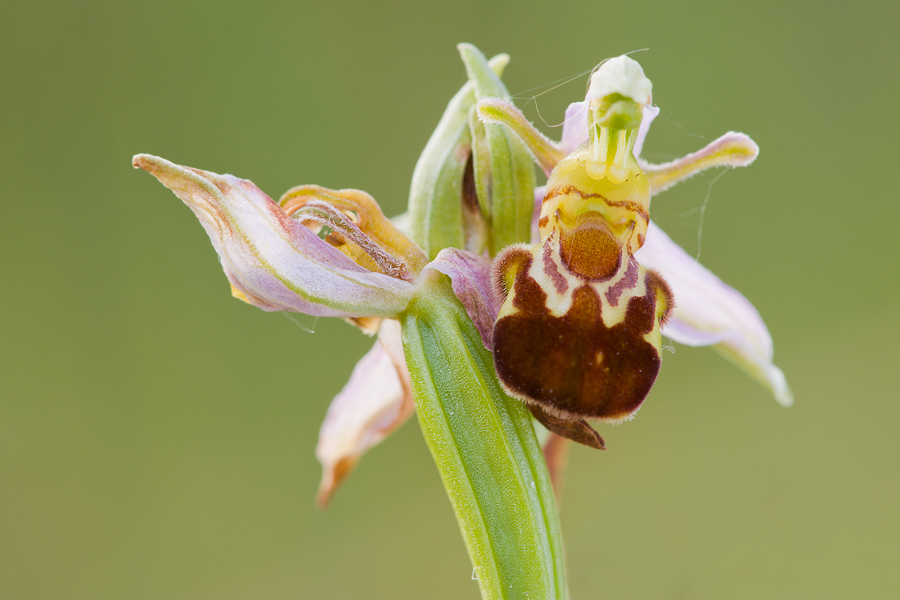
x=157, y=436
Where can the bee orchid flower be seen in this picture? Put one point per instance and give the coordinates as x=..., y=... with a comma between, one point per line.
x=602, y=276
x=705, y=311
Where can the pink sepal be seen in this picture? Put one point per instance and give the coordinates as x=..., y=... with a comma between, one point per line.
x=272, y=260
x=709, y=312
x=470, y=277
x=375, y=401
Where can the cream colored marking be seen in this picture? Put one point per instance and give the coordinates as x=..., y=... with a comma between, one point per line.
x=560, y=303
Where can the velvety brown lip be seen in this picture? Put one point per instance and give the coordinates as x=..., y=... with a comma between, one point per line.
x=573, y=366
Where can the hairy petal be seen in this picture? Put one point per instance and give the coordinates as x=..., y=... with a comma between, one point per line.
x=730, y=150
x=375, y=401
x=273, y=261
x=709, y=312
x=545, y=152
x=470, y=278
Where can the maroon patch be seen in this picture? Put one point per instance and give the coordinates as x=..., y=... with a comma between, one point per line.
x=529, y=298
x=559, y=282
x=573, y=366
x=628, y=281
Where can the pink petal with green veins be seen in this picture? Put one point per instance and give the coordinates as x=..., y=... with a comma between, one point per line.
x=273, y=261
x=709, y=312
x=375, y=401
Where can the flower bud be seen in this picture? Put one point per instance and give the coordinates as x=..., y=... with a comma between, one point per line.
x=503, y=169
x=442, y=207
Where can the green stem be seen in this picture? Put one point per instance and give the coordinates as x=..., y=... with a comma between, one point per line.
x=485, y=448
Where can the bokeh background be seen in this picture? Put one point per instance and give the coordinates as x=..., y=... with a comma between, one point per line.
x=157, y=436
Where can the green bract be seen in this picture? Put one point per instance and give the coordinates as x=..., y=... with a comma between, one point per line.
x=485, y=449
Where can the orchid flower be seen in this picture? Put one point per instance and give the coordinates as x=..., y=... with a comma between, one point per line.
x=706, y=311
x=491, y=310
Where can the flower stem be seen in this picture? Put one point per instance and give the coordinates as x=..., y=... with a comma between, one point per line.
x=486, y=451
